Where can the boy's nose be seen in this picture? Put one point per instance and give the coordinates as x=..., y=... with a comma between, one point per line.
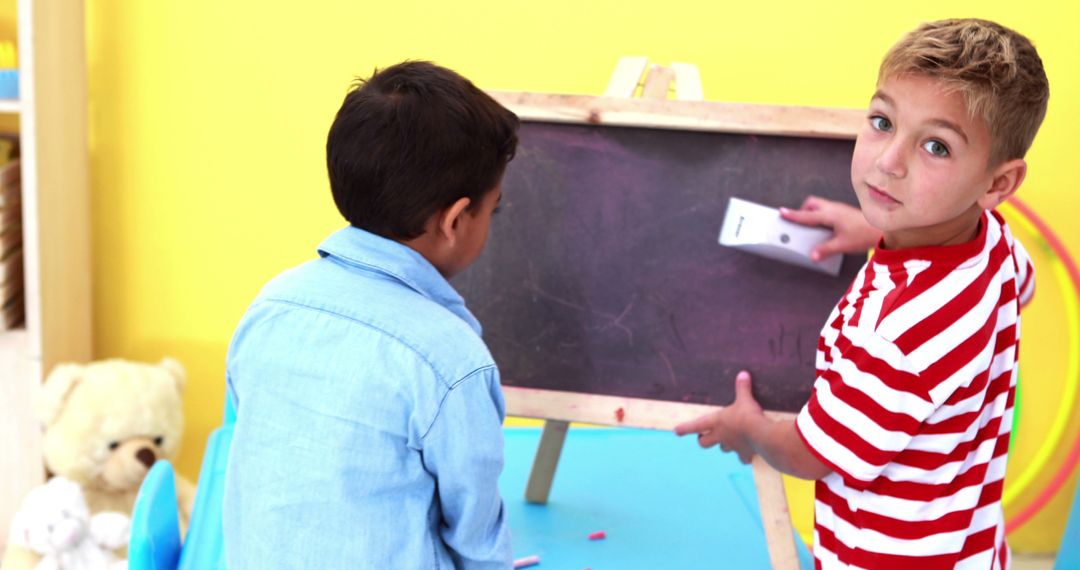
x=892, y=160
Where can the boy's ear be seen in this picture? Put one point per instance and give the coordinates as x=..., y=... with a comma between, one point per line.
x=1007, y=179
x=449, y=218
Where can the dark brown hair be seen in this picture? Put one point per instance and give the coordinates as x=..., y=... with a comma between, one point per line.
x=410, y=140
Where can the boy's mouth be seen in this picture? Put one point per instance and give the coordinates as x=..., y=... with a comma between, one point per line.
x=880, y=196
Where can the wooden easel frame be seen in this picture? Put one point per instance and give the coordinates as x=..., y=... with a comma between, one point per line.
x=653, y=109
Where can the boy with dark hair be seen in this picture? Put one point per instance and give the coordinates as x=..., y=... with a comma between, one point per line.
x=368, y=410
x=907, y=427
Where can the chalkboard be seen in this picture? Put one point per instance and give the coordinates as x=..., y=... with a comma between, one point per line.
x=603, y=274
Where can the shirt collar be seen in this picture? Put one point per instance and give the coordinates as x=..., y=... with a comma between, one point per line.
x=398, y=261
x=955, y=256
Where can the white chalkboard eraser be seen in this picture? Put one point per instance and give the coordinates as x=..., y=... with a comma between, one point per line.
x=761, y=230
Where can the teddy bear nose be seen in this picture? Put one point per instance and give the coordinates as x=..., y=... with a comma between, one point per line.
x=146, y=457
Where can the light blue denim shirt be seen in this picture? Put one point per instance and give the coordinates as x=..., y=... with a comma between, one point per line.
x=369, y=420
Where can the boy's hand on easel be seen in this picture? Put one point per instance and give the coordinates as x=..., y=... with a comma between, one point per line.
x=851, y=232
x=730, y=426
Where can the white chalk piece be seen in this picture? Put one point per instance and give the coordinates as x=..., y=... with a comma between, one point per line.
x=527, y=561
x=761, y=230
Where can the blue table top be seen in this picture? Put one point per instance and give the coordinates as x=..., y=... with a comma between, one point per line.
x=662, y=501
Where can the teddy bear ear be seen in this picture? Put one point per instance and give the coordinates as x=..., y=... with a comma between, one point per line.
x=176, y=370
x=56, y=390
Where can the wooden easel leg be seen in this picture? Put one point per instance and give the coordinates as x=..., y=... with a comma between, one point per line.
x=657, y=83
x=775, y=516
x=687, y=82
x=624, y=80
x=547, y=459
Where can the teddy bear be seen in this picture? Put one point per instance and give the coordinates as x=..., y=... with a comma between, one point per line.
x=55, y=523
x=104, y=425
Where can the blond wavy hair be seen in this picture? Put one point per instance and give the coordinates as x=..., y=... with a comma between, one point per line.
x=996, y=69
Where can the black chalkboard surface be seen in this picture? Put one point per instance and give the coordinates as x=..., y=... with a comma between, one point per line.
x=603, y=273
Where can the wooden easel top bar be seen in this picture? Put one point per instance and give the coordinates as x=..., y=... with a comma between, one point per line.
x=745, y=118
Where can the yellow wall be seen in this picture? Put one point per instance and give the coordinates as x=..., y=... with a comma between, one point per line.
x=208, y=121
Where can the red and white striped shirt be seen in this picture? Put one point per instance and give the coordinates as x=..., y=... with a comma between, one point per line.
x=913, y=404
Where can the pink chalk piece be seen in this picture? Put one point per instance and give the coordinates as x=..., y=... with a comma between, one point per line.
x=598, y=535
x=527, y=561
x=620, y=414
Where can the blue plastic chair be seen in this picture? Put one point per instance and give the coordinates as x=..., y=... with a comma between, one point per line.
x=1068, y=557
x=155, y=522
x=204, y=546
x=155, y=529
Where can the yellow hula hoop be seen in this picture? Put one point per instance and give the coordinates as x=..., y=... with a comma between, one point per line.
x=1064, y=271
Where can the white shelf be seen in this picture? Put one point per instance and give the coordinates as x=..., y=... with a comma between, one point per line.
x=51, y=108
x=19, y=380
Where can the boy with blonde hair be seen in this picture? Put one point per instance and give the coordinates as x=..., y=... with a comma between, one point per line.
x=907, y=428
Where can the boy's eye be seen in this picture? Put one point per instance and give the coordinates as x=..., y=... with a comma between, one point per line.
x=881, y=123
x=496, y=210
x=936, y=148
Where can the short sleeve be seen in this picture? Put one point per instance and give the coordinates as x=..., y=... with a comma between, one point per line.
x=865, y=408
x=1025, y=273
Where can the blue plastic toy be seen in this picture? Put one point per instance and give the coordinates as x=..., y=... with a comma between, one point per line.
x=155, y=529
x=155, y=522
